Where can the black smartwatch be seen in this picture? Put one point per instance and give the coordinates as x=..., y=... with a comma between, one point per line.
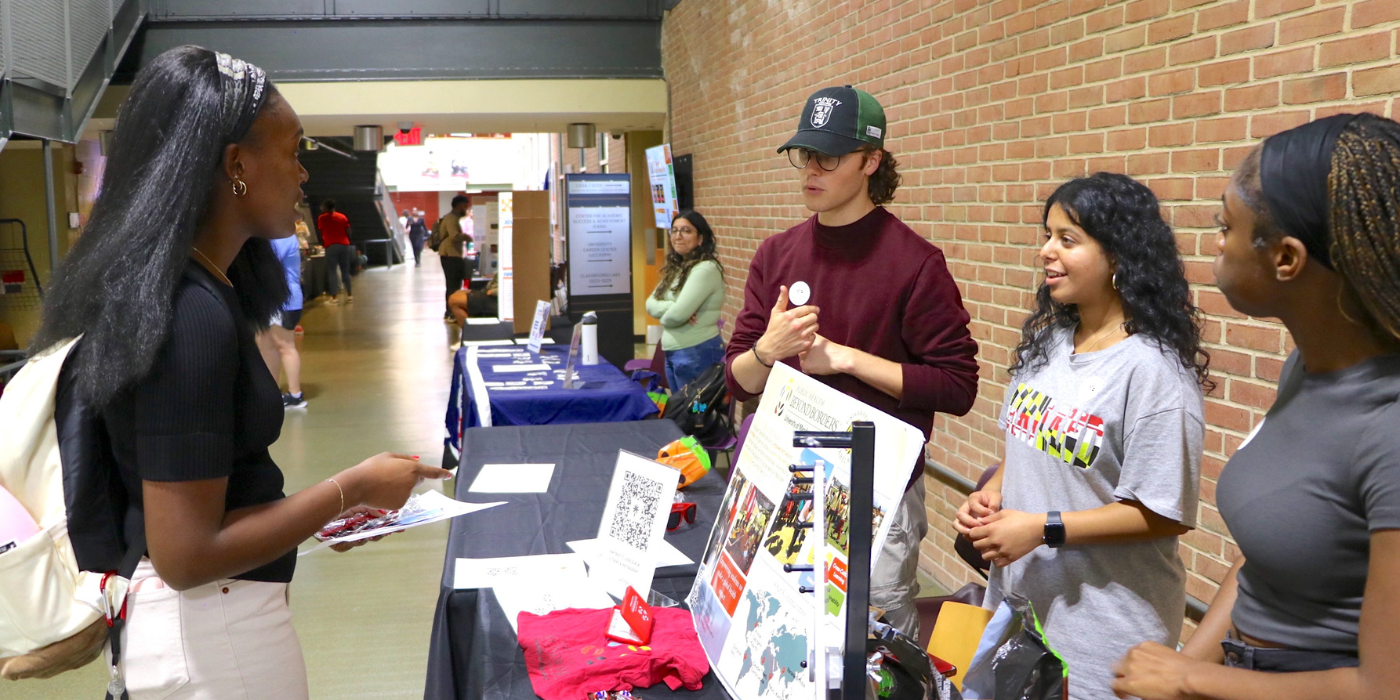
x=1054, y=530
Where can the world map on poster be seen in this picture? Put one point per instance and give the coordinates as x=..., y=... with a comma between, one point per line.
x=776, y=648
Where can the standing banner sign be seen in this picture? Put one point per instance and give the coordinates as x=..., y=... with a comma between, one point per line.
x=753, y=619
x=600, y=234
x=662, y=175
x=505, y=284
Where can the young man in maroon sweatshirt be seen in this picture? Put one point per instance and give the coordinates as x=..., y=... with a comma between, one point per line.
x=857, y=299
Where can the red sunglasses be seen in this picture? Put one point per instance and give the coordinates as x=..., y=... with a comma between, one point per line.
x=679, y=512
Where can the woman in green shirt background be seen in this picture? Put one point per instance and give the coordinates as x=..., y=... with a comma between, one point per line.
x=688, y=300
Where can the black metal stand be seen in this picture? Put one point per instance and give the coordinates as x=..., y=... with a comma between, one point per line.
x=7, y=246
x=861, y=442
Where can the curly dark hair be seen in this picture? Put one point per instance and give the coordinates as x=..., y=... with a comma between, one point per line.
x=677, y=268
x=1122, y=214
x=886, y=178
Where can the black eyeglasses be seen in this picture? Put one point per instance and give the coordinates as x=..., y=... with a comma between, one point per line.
x=683, y=231
x=800, y=157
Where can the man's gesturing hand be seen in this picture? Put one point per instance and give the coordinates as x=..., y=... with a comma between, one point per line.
x=790, y=331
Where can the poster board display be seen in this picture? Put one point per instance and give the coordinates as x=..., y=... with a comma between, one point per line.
x=600, y=233
x=751, y=617
x=505, y=261
x=485, y=234
x=661, y=174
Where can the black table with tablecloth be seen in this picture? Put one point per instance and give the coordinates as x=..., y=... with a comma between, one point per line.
x=474, y=653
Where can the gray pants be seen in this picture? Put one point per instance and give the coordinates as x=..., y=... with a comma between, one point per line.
x=895, y=580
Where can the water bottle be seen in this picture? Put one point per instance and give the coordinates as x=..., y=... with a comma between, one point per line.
x=589, y=338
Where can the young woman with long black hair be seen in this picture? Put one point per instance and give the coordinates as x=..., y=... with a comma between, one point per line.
x=1310, y=235
x=1104, y=427
x=167, y=285
x=688, y=299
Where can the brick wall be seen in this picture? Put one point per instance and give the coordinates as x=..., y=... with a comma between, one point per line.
x=991, y=104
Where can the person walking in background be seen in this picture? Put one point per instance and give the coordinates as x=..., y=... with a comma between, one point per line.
x=894, y=332
x=340, y=255
x=1104, y=421
x=278, y=343
x=417, y=235
x=450, y=243
x=688, y=299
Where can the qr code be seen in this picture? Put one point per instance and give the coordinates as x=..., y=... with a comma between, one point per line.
x=636, y=510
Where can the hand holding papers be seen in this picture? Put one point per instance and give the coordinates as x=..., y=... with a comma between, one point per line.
x=421, y=509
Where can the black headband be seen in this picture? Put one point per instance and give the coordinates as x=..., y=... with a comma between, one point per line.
x=244, y=89
x=1293, y=171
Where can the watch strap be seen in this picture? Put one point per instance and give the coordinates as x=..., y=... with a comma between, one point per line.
x=1054, y=529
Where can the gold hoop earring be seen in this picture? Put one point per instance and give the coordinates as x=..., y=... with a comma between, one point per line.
x=1115, y=281
x=240, y=188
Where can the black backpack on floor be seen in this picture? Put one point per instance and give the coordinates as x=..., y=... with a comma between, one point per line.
x=701, y=408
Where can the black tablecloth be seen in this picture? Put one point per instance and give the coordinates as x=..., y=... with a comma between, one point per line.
x=474, y=653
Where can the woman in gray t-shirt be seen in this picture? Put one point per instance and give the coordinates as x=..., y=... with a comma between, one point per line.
x=1312, y=607
x=1104, y=429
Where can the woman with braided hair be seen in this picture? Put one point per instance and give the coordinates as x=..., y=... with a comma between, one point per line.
x=1310, y=235
x=166, y=287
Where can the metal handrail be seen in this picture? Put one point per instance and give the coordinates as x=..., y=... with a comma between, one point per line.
x=1195, y=607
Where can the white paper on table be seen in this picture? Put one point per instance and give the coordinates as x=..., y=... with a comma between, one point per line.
x=541, y=367
x=513, y=478
x=634, y=523
x=480, y=343
x=486, y=573
x=484, y=321
x=442, y=506
x=542, y=596
x=666, y=553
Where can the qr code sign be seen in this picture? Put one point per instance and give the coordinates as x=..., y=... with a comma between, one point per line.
x=636, y=509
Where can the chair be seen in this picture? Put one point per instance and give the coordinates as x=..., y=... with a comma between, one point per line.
x=656, y=364
x=730, y=441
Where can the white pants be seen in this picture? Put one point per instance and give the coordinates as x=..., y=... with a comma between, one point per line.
x=227, y=640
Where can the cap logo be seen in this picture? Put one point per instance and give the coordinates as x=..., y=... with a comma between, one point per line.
x=821, y=110
x=873, y=131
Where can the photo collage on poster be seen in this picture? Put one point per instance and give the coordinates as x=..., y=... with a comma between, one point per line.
x=750, y=615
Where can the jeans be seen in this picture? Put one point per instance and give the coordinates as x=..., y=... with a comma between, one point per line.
x=685, y=365
x=455, y=270
x=339, y=257
x=1241, y=655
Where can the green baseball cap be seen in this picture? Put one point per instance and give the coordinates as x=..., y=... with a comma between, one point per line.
x=838, y=120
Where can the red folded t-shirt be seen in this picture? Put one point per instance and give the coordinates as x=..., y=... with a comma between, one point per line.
x=568, y=654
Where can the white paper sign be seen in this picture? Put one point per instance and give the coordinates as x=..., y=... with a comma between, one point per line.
x=666, y=553
x=634, y=524
x=543, y=596
x=513, y=478
x=537, y=328
x=485, y=573
x=539, y=367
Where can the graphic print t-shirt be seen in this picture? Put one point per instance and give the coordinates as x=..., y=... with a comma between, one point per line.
x=1082, y=431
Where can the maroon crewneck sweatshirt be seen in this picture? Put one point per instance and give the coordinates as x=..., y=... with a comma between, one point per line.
x=882, y=289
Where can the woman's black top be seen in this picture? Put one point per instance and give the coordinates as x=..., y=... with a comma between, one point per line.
x=209, y=409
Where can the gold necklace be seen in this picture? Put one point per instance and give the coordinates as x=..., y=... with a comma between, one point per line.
x=1103, y=336
x=210, y=266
